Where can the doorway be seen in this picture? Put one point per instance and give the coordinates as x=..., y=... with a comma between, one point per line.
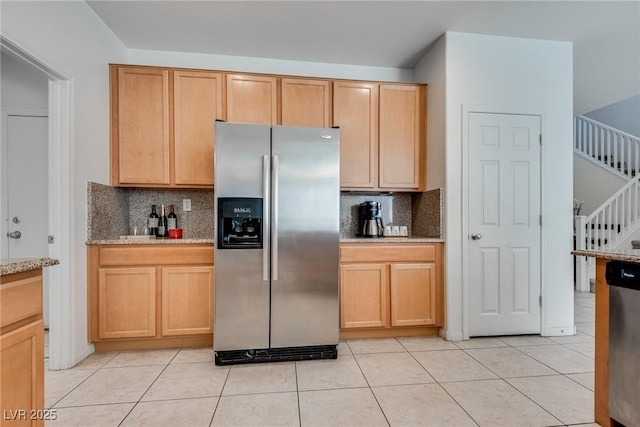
x=504, y=224
x=59, y=177
x=26, y=201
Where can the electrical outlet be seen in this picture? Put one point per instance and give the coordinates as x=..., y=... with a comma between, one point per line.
x=186, y=205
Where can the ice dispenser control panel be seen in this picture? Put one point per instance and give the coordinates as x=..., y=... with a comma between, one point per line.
x=239, y=223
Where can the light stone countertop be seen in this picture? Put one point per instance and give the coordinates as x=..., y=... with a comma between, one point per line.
x=392, y=239
x=380, y=240
x=19, y=265
x=631, y=255
x=152, y=242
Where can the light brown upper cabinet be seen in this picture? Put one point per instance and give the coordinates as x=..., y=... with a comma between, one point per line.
x=402, y=141
x=140, y=126
x=305, y=102
x=197, y=98
x=382, y=135
x=355, y=111
x=252, y=99
x=162, y=125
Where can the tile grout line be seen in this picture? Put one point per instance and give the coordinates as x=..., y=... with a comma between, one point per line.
x=298, y=394
x=79, y=384
x=148, y=388
x=369, y=384
x=226, y=378
x=444, y=389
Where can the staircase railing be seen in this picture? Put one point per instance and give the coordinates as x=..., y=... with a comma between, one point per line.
x=619, y=216
x=607, y=226
x=608, y=146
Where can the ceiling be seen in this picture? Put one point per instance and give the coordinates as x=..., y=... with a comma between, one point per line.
x=606, y=35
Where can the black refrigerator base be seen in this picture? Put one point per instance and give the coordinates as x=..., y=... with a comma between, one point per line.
x=287, y=354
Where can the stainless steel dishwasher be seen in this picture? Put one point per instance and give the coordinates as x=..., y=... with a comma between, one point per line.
x=624, y=342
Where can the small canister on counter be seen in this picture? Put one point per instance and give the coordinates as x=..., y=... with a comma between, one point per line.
x=175, y=233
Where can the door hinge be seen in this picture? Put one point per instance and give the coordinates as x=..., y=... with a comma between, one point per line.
x=540, y=300
x=540, y=220
x=540, y=139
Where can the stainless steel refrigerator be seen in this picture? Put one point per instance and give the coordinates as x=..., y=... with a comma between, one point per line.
x=277, y=195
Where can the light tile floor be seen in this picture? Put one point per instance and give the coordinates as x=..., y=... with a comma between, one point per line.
x=498, y=381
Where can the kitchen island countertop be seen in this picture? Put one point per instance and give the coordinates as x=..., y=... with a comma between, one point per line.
x=631, y=255
x=19, y=265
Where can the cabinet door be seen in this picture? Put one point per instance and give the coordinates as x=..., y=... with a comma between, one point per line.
x=364, y=300
x=127, y=302
x=402, y=129
x=22, y=367
x=413, y=294
x=187, y=300
x=252, y=99
x=142, y=155
x=197, y=103
x=306, y=102
x=355, y=111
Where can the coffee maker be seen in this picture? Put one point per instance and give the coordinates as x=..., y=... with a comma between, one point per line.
x=370, y=219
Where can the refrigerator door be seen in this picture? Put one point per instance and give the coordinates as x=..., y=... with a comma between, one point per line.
x=305, y=236
x=242, y=275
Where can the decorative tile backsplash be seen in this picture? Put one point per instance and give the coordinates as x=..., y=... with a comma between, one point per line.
x=396, y=209
x=427, y=213
x=115, y=211
x=108, y=212
x=196, y=224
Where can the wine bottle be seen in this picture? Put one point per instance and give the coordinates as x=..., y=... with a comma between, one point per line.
x=153, y=221
x=162, y=223
x=172, y=219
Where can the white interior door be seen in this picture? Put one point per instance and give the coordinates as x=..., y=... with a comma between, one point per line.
x=25, y=229
x=504, y=224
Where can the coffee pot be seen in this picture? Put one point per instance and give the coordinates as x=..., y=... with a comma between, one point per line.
x=370, y=219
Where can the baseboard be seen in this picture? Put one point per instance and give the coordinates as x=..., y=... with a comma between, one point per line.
x=559, y=331
x=452, y=335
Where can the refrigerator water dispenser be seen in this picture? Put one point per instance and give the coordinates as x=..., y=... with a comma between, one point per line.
x=239, y=223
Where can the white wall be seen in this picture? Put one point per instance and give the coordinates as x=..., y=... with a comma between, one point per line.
x=267, y=66
x=432, y=70
x=23, y=86
x=623, y=115
x=69, y=38
x=505, y=74
x=593, y=184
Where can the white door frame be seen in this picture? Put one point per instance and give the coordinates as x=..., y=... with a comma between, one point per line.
x=489, y=109
x=61, y=178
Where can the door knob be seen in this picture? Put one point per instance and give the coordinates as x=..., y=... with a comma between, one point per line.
x=14, y=234
x=476, y=236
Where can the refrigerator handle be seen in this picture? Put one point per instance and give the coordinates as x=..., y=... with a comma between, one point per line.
x=266, y=213
x=274, y=226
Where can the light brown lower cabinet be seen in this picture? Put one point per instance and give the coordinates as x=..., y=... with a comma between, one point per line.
x=390, y=290
x=127, y=302
x=150, y=296
x=22, y=350
x=364, y=296
x=413, y=294
x=187, y=300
